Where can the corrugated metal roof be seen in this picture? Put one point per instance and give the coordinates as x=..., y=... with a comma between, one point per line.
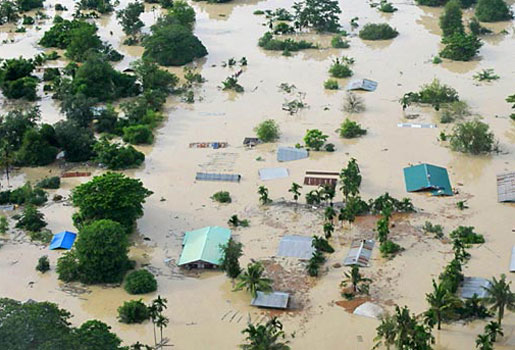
x=63, y=240
x=286, y=154
x=274, y=300
x=204, y=245
x=296, y=247
x=317, y=178
x=512, y=262
x=7, y=207
x=428, y=177
x=416, y=125
x=218, y=177
x=360, y=252
x=474, y=285
x=362, y=84
x=506, y=187
x=272, y=173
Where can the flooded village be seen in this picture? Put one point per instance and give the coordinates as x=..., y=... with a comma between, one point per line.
x=257, y=174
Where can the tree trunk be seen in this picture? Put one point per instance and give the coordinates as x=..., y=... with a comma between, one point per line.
x=500, y=315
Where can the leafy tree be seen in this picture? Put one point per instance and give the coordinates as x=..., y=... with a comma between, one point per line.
x=231, y=252
x=436, y=94
x=253, y=281
x=460, y=46
x=268, y=42
x=315, y=139
x=450, y=20
x=183, y=13
x=441, y=300
x=27, y=5
x=350, y=178
x=493, y=329
x=8, y=12
x=102, y=6
x=493, y=11
x=4, y=225
x=138, y=134
x=268, y=336
x=467, y=235
x=472, y=137
x=386, y=332
x=81, y=41
x=360, y=284
x=31, y=219
x=317, y=14
x=154, y=78
x=133, y=311
x=16, y=80
x=263, y=195
x=350, y=129
x=76, y=142
x=78, y=107
x=117, y=157
x=100, y=254
x=340, y=69
x=110, y=196
x=267, y=131
x=328, y=229
x=106, y=120
x=483, y=342
x=60, y=34
x=377, y=31
x=317, y=259
x=129, y=18
x=222, y=197
x=94, y=334
x=140, y=282
x=500, y=297
x=43, y=264
x=35, y=150
x=294, y=189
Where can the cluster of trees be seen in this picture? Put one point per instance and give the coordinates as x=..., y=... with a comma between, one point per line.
x=377, y=31
x=172, y=42
x=16, y=79
x=387, y=247
x=435, y=94
x=320, y=15
x=10, y=10
x=130, y=21
x=315, y=139
x=265, y=336
x=268, y=42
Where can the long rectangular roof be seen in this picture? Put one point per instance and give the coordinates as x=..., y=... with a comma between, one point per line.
x=204, y=245
x=274, y=300
x=474, y=285
x=360, y=252
x=272, y=173
x=286, y=154
x=512, y=262
x=423, y=177
x=218, y=177
x=506, y=187
x=296, y=247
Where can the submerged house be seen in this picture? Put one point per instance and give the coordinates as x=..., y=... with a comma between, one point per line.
x=63, y=240
x=287, y=154
x=318, y=178
x=201, y=248
x=272, y=300
x=427, y=177
x=360, y=253
x=362, y=84
x=506, y=187
x=294, y=246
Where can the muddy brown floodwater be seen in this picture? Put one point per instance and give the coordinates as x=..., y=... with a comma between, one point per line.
x=204, y=313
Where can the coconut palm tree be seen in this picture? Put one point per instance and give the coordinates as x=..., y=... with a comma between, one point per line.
x=440, y=300
x=263, y=195
x=269, y=336
x=294, y=189
x=500, y=297
x=156, y=309
x=253, y=281
x=483, y=342
x=385, y=332
x=356, y=279
x=493, y=329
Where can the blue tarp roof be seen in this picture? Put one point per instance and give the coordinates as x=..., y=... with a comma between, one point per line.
x=428, y=177
x=63, y=240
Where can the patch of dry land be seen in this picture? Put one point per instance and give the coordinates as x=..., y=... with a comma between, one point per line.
x=203, y=310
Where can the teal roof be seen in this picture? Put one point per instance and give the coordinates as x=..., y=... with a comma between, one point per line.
x=204, y=245
x=424, y=177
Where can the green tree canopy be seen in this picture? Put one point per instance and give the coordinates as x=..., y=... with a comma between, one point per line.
x=16, y=80
x=321, y=15
x=76, y=142
x=493, y=11
x=129, y=18
x=451, y=21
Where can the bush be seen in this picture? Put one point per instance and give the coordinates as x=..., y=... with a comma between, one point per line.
x=389, y=248
x=450, y=20
x=432, y=3
x=51, y=73
x=337, y=42
x=321, y=15
x=331, y=84
x=102, y=6
x=222, y=197
x=27, y=5
x=133, y=311
x=472, y=137
x=16, y=80
x=437, y=230
x=476, y=28
x=138, y=134
x=4, y=225
x=492, y=11
x=68, y=267
x=105, y=120
x=315, y=139
x=467, y=235
x=461, y=47
x=374, y=31
x=268, y=42
x=385, y=6
x=350, y=129
x=31, y=219
x=267, y=131
x=140, y=282
x=456, y=110
x=53, y=182
x=434, y=94
x=486, y=74
x=43, y=264
x=117, y=157
x=24, y=195
x=340, y=69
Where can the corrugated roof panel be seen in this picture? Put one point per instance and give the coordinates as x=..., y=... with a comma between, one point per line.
x=204, y=245
x=512, y=263
x=286, y=154
x=360, y=253
x=296, y=247
x=272, y=173
x=474, y=286
x=218, y=177
x=362, y=84
x=274, y=300
x=423, y=177
x=506, y=187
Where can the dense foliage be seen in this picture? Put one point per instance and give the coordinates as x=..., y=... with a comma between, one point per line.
x=377, y=31
x=493, y=11
x=31, y=219
x=315, y=139
x=268, y=42
x=350, y=129
x=472, y=137
x=231, y=252
x=450, y=20
x=133, y=311
x=16, y=80
x=321, y=15
x=267, y=131
x=140, y=282
x=460, y=46
x=435, y=94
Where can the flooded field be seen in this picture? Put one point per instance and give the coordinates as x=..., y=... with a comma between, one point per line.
x=203, y=310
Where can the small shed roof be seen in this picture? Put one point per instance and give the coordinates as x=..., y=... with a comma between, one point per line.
x=218, y=177
x=512, y=262
x=506, y=187
x=63, y=240
x=360, y=252
x=428, y=177
x=251, y=141
x=362, y=84
x=204, y=245
x=296, y=247
x=272, y=173
x=274, y=300
x=286, y=154
x=474, y=285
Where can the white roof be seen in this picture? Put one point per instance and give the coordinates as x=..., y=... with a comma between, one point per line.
x=274, y=300
x=272, y=173
x=512, y=263
x=474, y=285
x=369, y=309
x=296, y=247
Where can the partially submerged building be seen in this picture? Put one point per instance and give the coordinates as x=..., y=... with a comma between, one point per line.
x=201, y=248
x=218, y=177
x=273, y=173
x=427, y=177
x=272, y=300
x=286, y=154
x=474, y=286
x=362, y=84
x=296, y=247
x=360, y=252
x=318, y=178
x=506, y=187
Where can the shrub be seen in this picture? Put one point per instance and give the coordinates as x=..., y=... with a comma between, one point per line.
x=385, y=6
x=486, y=74
x=432, y=3
x=43, y=264
x=450, y=20
x=235, y=221
x=222, y=197
x=27, y=5
x=50, y=74
x=102, y=6
x=321, y=15
x=231, y=83
x=472, y=137
x=389, y=248
x=140, y=282
x=329, y=147
x=117, y=157
x=436, y=229
x=434, y=94
x=4, y=225
x=50, y=182
x=467, y=235
x=350, y=129
x=315, y=139
x=24, y=195
x=133, y=311
x=456, y=110
x=353, y=103
x=68, y=267
x=492, y=11
x=461, y=47
x=31, y=219
x=340, y=69
x=268, y=42
x=337, y=42
x=437, y=60
x=374, y=31
x=16, y=80
x=267, y=131
x=138, y=134
x=331, y=84
x=476, y=28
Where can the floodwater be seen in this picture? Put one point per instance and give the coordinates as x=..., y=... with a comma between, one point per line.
x=204, y=313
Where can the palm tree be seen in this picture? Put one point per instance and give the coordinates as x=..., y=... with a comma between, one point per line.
x=156, y=309
x=460, y=253
x=268, y=336
x=263, y=195
x=356, y=279
x=483, y=342
x=161, y=322
x=328, y=230
x=386, y=332
x=329, y=213
x=500, y=297
x=295, y=190
x=440, y=301
x=493, y=329
x=253, y=281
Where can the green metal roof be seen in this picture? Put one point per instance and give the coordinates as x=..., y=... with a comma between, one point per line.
x=204, y=245
x=428, y=177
